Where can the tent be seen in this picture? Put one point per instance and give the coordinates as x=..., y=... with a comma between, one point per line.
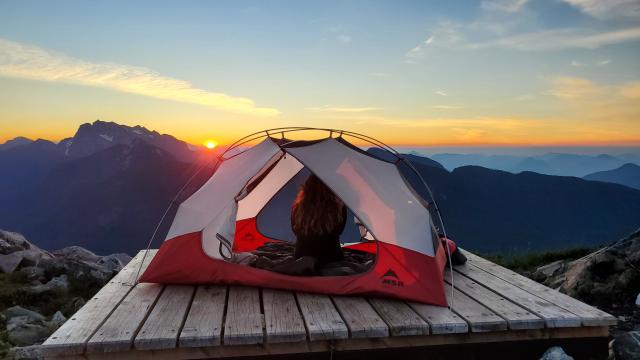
x=219, y=221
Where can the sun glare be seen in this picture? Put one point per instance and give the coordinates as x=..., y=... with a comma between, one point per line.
x=210, y=144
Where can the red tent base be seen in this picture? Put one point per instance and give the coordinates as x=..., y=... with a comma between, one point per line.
x=398, y=273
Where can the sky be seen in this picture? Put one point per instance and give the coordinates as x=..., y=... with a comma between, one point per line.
x=411, y=73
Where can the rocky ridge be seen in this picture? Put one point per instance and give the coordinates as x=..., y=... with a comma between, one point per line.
x=40, y=289
x=608, y=278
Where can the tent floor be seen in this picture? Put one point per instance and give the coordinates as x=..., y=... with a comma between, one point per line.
x=493, y=311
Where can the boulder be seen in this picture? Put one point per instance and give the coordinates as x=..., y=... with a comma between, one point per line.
x=627, y=346
x=28, y=334
x=76, y=253
x=555, y=353
x=56, y=320
x=19, y=311
x=58, y=283
x=9, y=262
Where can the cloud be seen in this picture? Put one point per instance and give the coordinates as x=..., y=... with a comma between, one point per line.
x=576, y=63
x=508, y=6
x=345, y=39
x=566, y=87
x=380, y=74
x=560, y=39
x=608, y=9
x=32, y=62
x=441, y=93
x=604, y=62
x=337, y=109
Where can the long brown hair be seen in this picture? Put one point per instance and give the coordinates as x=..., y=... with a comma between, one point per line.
x=316, y=210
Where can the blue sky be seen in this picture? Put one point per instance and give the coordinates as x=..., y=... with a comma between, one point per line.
x=493, y=72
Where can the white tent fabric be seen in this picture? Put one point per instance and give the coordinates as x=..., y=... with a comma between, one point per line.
x=374, y=190
x=216, y=198
x=286, y=168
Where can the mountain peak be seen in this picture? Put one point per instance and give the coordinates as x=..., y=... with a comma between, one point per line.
x=15, y=142
x=99, y=135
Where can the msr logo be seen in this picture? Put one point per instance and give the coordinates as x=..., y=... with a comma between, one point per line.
x=391, y=278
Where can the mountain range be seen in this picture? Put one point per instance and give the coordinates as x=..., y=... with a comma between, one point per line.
x=106, y=188
x=550, y=164
x=627, y=174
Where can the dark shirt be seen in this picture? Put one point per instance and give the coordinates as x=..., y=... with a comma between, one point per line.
x=323, y=247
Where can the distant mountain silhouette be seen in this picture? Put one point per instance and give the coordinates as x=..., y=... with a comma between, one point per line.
x=627, y=174
x=385, y=155
x=549, y=164
x=107, y=195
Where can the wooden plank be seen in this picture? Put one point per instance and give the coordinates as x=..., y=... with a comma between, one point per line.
x=480, y=318
x=517, y=317
x=361, y=319
x=590, y=315
x=163, y=325
x=521, y=337
x=441, y=319
x=203, y=326
x=321, y=318
x=244, y=319
x=283, y=322
x=399, y=317
x=118, y=332
x=71, y=337
x=553, y=315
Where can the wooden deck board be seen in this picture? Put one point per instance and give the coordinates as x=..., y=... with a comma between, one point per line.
x=163, y=325
x=361, y=319
x=590, y=315
x=118, y=332
x=244, y=319
x=321, y=318
x=553, y=315
x=517, y=317
x=151, y=320
x=72, y=336
x=480, y=318
x=400, y=318
x=203, y=326
x=282, y=319
x=441, y=319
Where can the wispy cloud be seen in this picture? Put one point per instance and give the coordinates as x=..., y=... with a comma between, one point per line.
x=607, y=9
x=32, y=62
x=441, y=93
x=560, y=39
x=575, y=63
x=339, y=109
x=509, y=6
x=604, y=62
x=566, y=87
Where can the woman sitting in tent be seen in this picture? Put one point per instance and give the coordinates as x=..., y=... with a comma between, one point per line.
x=318, y=217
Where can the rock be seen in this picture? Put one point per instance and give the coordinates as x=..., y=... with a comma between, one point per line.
x=9, y=262
x=28, y=334
x=550, y=269
x=555, y=353
x=627, y=346
x=11, y=242
x=77, y=253
x=638, y=300
x=19, y=311
x=58, y=283
x=56, y=320
x=33, y=273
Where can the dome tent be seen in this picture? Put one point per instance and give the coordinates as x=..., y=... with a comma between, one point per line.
x=219, y=220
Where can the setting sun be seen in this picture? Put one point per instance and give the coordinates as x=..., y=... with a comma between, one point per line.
x=210, y=144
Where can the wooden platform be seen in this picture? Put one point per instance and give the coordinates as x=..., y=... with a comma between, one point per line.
x=491, y=304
